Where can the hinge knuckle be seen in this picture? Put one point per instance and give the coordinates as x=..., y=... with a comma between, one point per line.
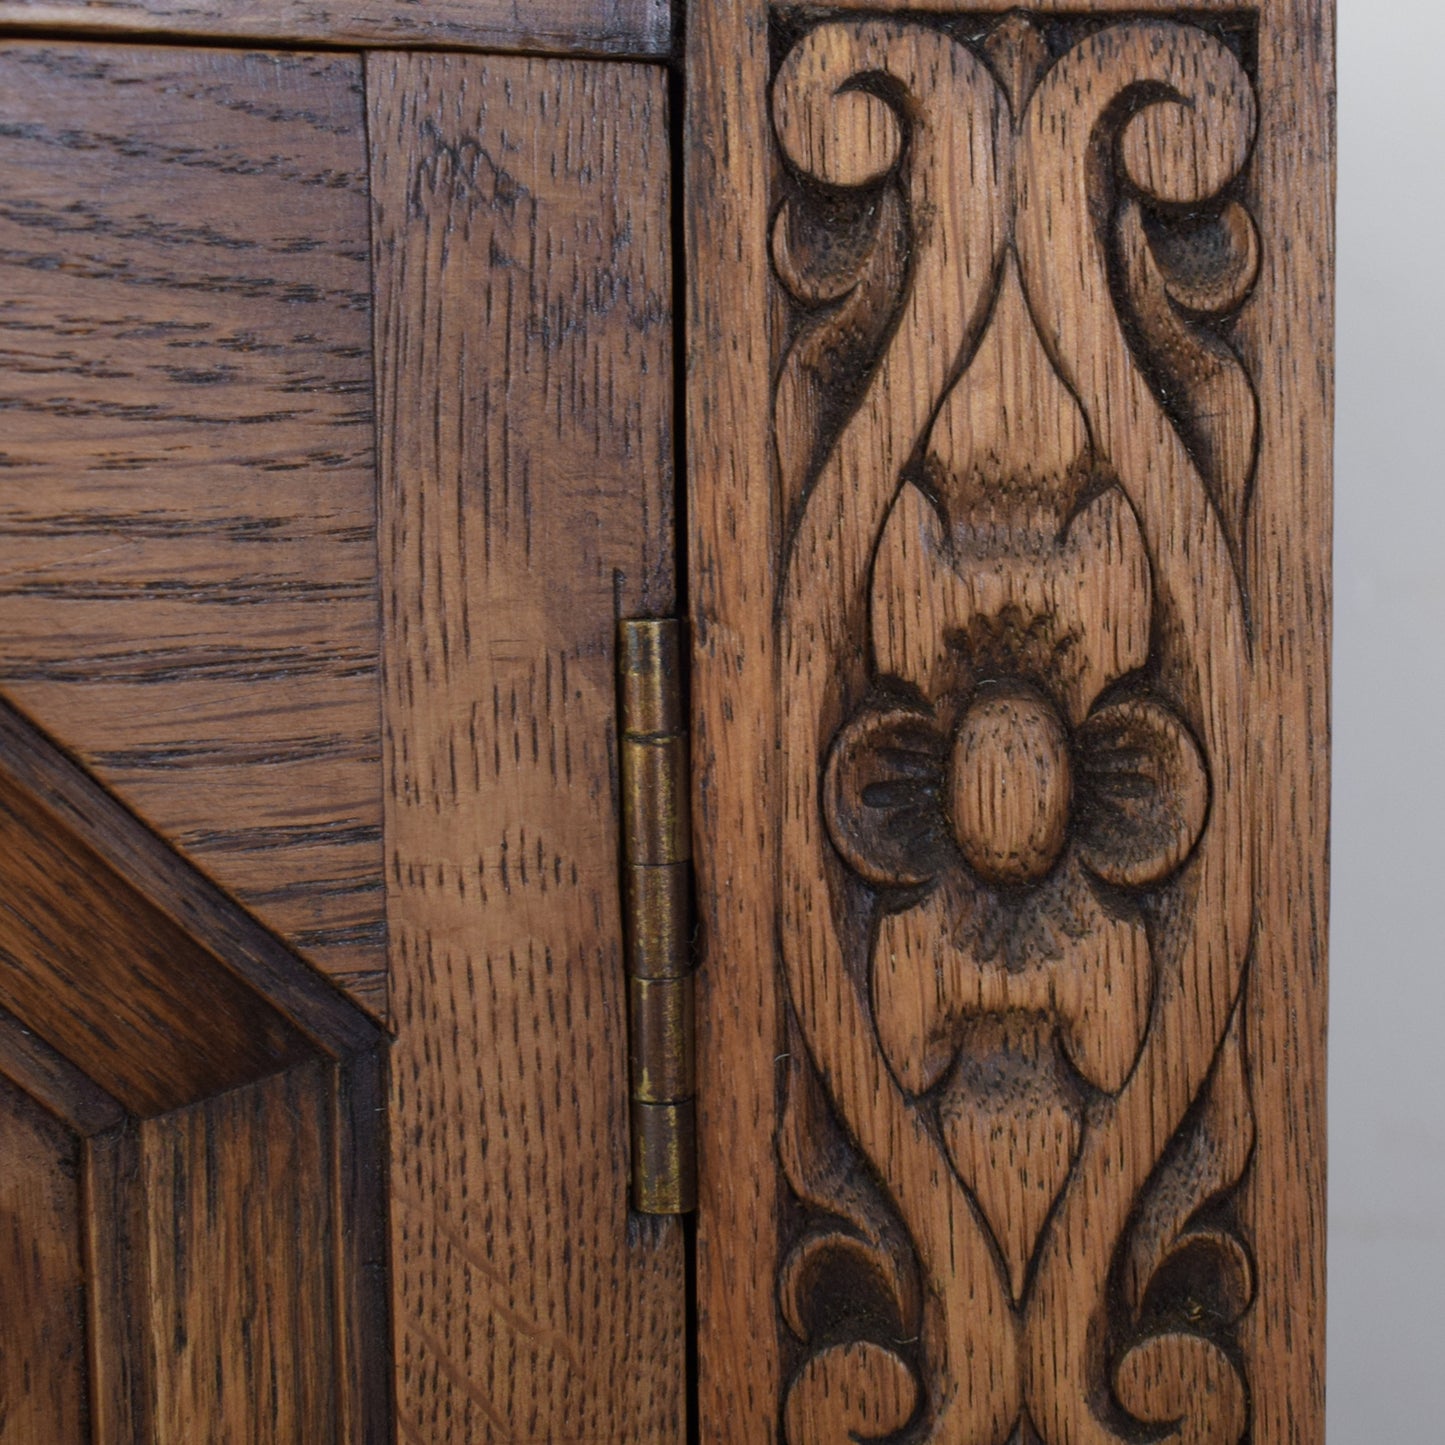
x=657, y=888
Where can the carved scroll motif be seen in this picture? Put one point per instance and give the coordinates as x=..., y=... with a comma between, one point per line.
x=1015, y=447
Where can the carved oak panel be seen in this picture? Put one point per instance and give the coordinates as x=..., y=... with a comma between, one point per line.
x=1014, y=444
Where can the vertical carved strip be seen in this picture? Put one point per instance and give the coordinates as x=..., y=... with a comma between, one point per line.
x=1016, y=681
x=941, y=98
x=1182, y=148
x=1041, y=511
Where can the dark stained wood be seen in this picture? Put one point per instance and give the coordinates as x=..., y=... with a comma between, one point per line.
x=187, y=548
x=360, y=1277
x=53, y=1082
x=107, y=1165
x=240, y=1243
x=639, y=28
x=106, y=1228
x=1009, y=542
x=190, y=1268
x=523, y=314
x=44, y=1393
x=108, y=979
x=118, y=1289
x=92, y=824
x=233, y=1209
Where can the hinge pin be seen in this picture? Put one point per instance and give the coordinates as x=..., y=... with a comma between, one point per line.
x=657, y=852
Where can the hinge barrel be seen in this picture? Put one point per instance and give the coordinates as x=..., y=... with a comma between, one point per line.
x=657, y=888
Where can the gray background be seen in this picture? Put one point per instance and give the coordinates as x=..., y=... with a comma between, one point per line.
x=1387, y=1045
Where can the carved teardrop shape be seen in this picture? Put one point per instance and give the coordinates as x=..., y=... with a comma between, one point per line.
x=1011, y=785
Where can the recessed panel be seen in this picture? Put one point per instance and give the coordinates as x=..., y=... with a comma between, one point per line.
x=187, y=544
x=44, y=1357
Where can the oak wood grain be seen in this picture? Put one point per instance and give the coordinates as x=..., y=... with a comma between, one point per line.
x=735, y=521
x=639, y=28
x=109, y=980
x=104, y=1230
x=1009, y=732
x=238, y=1229
x=1287, y=340
x=228, y=1102
x=53, y=1082
x=117, y=1285
x=523, y=342
x=81, y=820
x=44, y=1391
x=187, y=546
x=216, y=1263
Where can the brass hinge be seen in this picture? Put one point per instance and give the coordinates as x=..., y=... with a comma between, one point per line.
x=657, y=885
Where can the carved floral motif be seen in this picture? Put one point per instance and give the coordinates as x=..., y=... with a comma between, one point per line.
x=1016, y=446
x=1001, y=820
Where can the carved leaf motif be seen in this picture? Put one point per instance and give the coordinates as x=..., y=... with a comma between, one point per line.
x=1205, y=1162
x=883, y=796
x=850, y=1220
x=1187, y=1385
x=1187, y=1277
x=1170, y=292
x=851, y=1275
x=848, y=281
x=1144, y=793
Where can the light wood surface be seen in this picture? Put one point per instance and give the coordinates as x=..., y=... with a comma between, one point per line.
x=1008, y=417
x=1286, y=340
x=187, y=536
x=735, y=521
x=587, y=27
x=523, y=341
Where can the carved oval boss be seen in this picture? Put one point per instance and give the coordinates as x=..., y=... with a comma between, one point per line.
x=1016, y=446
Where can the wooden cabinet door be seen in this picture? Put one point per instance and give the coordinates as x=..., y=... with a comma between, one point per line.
x=343, y=390
x=337, y=434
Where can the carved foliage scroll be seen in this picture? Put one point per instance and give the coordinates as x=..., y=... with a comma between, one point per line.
x=1016, y=448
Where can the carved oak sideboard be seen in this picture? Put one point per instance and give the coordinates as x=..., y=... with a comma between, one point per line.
x=663, y=721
